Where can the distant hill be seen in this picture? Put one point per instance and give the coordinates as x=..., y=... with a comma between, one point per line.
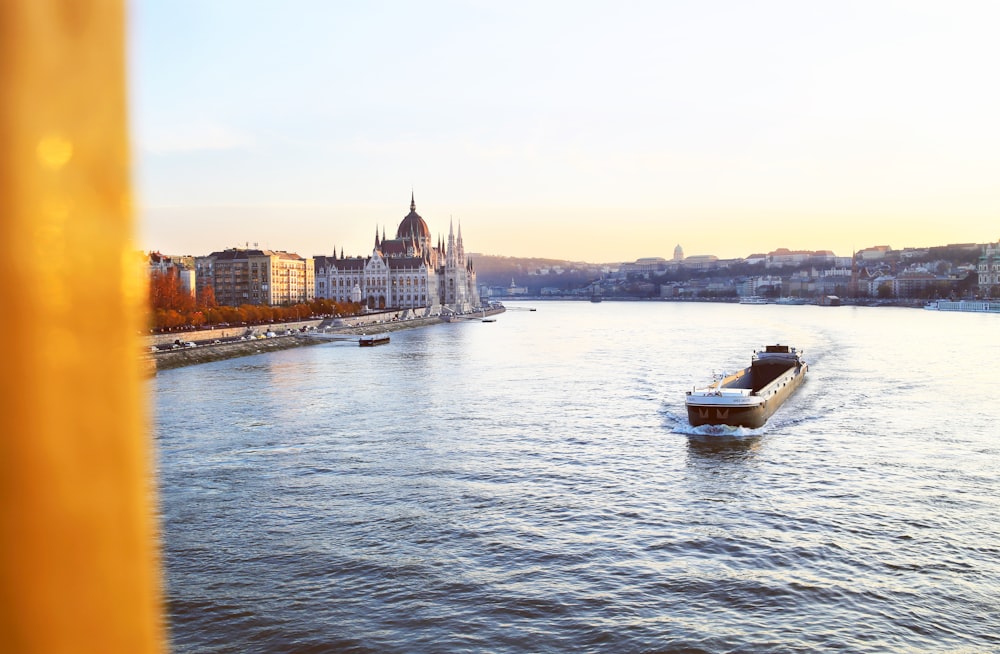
x=534, y=273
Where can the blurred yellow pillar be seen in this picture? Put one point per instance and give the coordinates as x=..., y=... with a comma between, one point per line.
x=78, y=542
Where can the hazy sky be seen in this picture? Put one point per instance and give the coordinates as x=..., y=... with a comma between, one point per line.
x=594, y=131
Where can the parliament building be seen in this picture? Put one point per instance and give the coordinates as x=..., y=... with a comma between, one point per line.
x=409, y=271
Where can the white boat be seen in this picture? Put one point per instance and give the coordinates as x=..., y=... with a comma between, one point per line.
x=749, y=397
x=753, y=299
x=975, y=306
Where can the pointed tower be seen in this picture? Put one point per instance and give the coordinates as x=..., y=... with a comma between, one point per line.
x=854, y=286
x=452, y=256
x=461, y=248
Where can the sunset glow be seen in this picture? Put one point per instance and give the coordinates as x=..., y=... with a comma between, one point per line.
x=584, y=131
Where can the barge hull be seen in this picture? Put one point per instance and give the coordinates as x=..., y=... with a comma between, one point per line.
x=709, y=414
x=752, y=417
x=749, y=397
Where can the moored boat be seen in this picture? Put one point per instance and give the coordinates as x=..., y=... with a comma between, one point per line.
x=373, y=340
x=753, y=299
x=973, y=306
x=749, y=397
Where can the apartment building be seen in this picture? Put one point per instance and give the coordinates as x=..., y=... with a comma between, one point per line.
x=254, y=276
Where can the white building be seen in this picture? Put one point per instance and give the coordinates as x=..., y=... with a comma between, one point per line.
x=757, y=285
x=407, y=272
x=989, y=268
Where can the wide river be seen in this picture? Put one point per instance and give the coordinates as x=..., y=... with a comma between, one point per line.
x=532, y=485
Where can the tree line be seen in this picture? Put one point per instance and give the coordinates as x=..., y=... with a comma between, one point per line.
x=173, y=307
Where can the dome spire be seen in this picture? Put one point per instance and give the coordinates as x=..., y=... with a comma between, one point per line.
x=413, y=204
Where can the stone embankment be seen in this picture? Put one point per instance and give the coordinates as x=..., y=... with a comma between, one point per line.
x=204, y=353
x=224, y=333
x=287, y=336
x=186, y=356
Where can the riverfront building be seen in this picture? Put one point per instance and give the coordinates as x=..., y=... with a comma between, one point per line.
x=181, y=267
x=989, y=269
x=251, y=276
x=410, y=271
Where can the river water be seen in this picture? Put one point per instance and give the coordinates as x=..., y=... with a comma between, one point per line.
x=532, y=485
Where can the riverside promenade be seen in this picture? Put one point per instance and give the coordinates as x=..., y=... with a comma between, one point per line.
x=179, y=349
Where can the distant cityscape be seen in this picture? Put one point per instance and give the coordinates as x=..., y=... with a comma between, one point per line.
x=413, y=271
x=873, y=274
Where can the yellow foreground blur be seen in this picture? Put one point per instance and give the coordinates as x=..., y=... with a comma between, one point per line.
x=78, y=544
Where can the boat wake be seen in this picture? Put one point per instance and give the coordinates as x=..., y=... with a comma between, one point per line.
x=678, y=424
x=726, y=431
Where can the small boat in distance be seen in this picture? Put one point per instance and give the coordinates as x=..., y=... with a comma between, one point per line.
x=373, y=340
x=749, y=397
x=753, y=299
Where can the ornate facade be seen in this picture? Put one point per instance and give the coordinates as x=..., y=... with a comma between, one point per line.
x=410, y=271
x=989, y=269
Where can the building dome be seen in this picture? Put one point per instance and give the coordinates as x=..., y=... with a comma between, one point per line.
x=413, y=224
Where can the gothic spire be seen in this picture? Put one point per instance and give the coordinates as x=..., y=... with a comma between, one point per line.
x=413, y=204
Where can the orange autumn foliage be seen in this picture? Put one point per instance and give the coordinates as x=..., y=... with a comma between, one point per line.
x=173, y=307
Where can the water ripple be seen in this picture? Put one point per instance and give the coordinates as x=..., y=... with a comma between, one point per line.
x=535, y=487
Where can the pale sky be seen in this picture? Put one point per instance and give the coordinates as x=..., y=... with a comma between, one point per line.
x=588, y=131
